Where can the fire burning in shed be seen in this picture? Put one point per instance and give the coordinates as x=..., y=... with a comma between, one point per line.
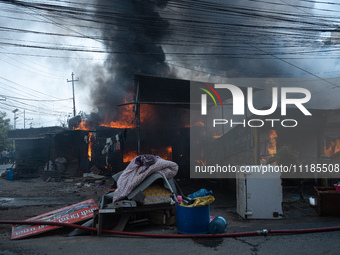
x=83, y=125
x=332, y=148
x=89, y=150
x=268, y=145
x=126, y=117
x=157, y=134
x=271, y=147
x=165, y=153
x=128, y=156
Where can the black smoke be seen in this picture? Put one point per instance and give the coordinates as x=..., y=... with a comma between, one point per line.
x=133, y=32
x=233, y=39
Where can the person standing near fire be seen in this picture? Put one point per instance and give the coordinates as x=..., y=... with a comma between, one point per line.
x=4, y=156
x=11, y=156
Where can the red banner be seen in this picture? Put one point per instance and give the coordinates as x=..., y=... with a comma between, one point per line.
x=70, y=214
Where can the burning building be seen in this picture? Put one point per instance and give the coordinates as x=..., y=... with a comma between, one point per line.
x=160, y=125
x=142, y=124
x=154, y=121
x=315, y=140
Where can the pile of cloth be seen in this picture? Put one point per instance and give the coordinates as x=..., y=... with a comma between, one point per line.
x=140, y=168
x=135, y=173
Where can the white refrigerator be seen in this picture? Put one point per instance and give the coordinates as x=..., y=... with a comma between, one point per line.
x=259, y=196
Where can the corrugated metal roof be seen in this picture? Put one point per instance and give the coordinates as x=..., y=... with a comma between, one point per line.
x=33, y=133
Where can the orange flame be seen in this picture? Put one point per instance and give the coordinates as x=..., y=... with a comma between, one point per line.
x=127, y=117
x=125, y=120
x=128, y=156
x=89, y=149
x=199, y=124
x=333, y=147
x=168, y=153
x=203, y=163
x=217, y=136
x=165, y=153
x=271, y=148
x=83, y=125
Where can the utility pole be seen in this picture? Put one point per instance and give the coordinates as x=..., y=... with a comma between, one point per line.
x=15, y=117
x=74, y=102
x=25, y=119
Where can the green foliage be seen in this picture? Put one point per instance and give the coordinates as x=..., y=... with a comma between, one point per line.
x=4, y=128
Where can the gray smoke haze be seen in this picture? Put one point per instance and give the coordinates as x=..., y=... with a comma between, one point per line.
x=245, y=41
x=241, y=40
x=208, y=41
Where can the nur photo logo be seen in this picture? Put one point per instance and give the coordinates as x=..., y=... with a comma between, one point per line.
x=294, y=97
x=204, y=98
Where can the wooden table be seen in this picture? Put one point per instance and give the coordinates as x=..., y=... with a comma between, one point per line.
x=125, y=213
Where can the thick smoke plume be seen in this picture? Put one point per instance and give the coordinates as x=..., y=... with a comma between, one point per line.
x=243, y=39
x=133, y=35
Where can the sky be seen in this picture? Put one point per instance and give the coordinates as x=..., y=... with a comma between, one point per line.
x=104, y=42
x=35, y=81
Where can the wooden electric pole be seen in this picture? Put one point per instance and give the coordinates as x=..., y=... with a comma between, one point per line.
x=74, y=102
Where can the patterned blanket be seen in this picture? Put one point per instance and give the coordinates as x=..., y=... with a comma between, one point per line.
x=140, y=168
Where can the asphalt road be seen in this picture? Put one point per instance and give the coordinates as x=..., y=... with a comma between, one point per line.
x=318, y=243
x=55, y=242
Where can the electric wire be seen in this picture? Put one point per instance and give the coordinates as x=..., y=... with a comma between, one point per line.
x=231, y=31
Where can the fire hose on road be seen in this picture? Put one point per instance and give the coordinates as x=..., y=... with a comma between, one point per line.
x=224, y=235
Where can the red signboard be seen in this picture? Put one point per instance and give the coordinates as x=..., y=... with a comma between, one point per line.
x=70, y=214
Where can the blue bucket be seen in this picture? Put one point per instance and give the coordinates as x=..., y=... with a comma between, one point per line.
x=10, y=175
x=193, y=220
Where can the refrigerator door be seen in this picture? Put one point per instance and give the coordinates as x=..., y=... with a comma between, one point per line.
x=241, y=195
x=259, y=196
